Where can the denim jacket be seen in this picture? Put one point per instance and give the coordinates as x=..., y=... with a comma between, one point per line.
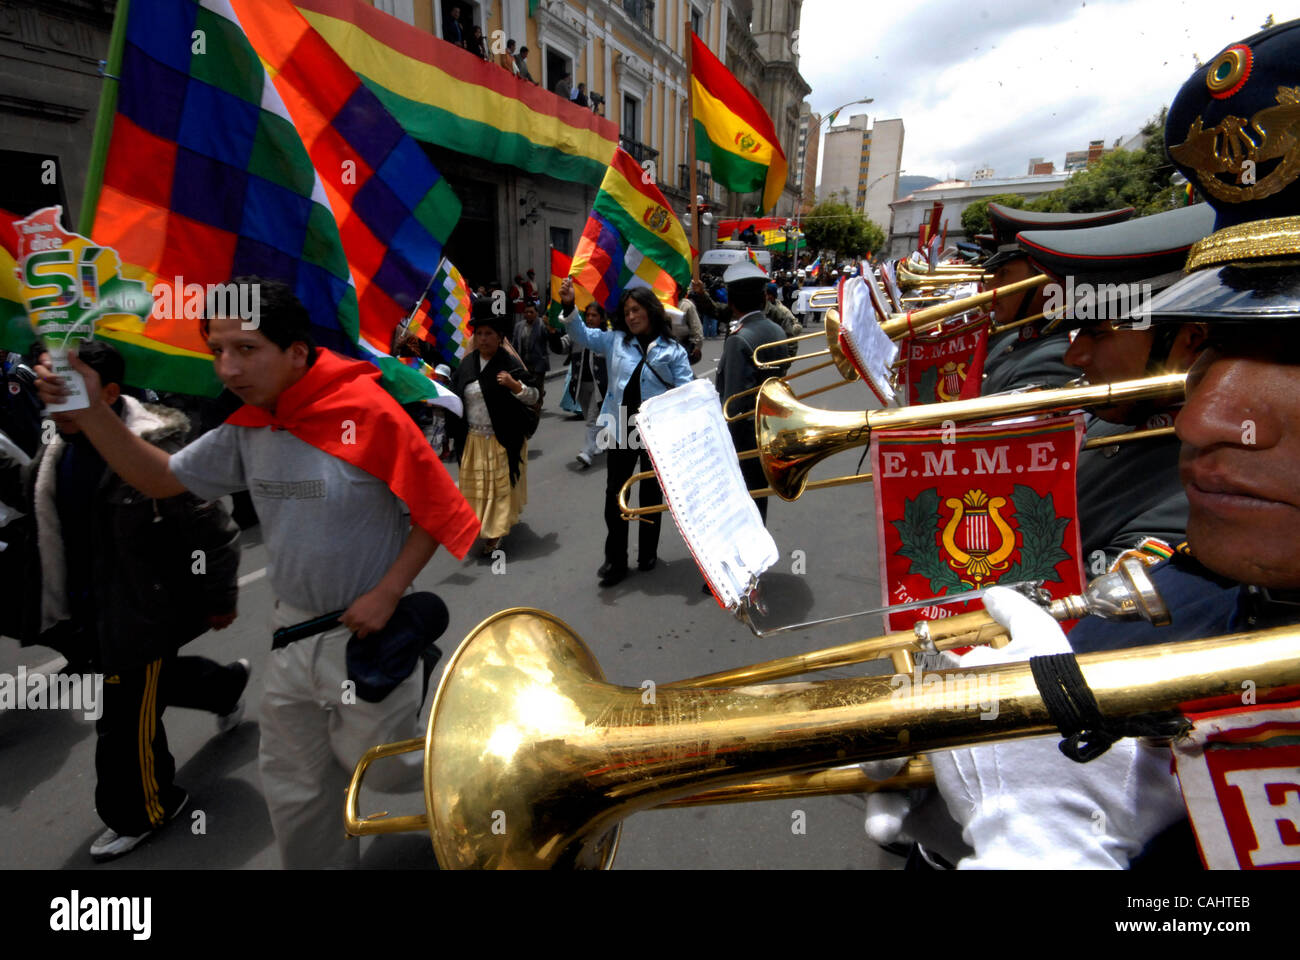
x=622, y=353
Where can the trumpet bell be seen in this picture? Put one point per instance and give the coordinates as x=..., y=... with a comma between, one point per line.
x=842, y=363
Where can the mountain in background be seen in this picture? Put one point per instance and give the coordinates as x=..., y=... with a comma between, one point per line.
x=908, y=185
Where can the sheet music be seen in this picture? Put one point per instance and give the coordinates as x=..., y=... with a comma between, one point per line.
x=693, y=455
x=870, y=349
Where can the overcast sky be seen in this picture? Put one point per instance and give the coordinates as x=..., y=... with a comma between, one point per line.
x=995, y=82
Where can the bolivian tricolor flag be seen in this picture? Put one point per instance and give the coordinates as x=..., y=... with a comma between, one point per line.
x=732, y=130
x=561, y=264
x=632, y=238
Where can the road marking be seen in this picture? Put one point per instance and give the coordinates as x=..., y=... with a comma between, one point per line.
x=250, y=577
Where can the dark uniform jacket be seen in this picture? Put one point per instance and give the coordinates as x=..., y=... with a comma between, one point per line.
x=1018, y=358
x=737, y=373
x=1128, y=492
x=149, y=593
x=1202, y=604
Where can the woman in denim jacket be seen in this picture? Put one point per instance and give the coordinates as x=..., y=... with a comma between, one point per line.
x=640, y=344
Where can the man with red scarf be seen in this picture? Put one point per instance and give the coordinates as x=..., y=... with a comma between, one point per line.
x=333, y=464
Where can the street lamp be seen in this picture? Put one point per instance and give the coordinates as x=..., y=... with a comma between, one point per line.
x=842, y=106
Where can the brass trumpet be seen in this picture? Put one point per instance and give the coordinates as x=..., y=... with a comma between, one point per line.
x=532, y=760
x=902, y=325
x=793, y=438
x=637, y=513
x=896, y=327
x=911, y=279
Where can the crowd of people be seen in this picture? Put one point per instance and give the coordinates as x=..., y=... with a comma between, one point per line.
x=512, y=58
x=114, y=509
x=102, y=523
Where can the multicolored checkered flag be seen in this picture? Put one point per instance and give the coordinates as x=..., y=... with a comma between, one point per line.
x=443, y=318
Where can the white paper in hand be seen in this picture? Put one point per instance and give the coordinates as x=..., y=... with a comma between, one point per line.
x=868, y=347
x=693, y=455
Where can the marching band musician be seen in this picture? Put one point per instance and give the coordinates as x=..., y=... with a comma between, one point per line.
x=1128, y=494
x=1025, y=804
x=1024, y=356
x=746, y=286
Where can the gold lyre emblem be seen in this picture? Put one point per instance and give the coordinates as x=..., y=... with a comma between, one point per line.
x=975, y=521
x=1237, y=148
x=952, y=376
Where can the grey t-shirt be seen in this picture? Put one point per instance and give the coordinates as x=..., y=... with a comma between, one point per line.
x=331, y=529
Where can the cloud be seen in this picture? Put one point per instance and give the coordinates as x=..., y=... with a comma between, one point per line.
x=980, y=82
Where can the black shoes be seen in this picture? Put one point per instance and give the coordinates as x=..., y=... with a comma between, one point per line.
x=610, y=574
x=645, y=565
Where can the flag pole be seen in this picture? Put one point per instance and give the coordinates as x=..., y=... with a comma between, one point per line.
x=104, y=120
x=690, y=152
x=405, y=328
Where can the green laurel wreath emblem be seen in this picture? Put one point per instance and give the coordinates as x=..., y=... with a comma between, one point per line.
x=1041, y=532
x=927, y=388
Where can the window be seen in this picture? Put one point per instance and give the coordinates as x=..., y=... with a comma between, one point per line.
x=562, y=239
x=631, y=118
x=557, y=66
x=697, y=22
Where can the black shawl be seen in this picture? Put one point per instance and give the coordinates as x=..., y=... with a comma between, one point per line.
x=506, y=412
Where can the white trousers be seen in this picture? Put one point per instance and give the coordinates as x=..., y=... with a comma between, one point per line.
x=313, y=733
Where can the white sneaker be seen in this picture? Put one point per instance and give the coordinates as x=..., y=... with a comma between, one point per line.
x=228, y=721
x=583, y=458
x=110, y=845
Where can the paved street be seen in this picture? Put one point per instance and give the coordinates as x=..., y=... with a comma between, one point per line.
x=654, y=625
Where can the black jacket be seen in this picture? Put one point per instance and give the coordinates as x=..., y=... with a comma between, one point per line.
x=151, y=593
x=509, y=418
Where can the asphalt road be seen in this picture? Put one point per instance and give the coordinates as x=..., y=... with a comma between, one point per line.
x=656, y=625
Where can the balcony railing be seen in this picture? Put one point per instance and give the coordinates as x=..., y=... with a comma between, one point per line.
x=638, y=150
x=703, y=182
x=642, y=11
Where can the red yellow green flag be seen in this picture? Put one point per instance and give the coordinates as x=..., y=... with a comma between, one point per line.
x=733, y=132
x=561, y=264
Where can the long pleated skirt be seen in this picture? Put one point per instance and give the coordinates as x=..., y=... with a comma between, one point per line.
x=485, y=484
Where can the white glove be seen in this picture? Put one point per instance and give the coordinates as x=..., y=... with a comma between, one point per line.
x=1025, y=804
x=886, y=810
x=1034, y=632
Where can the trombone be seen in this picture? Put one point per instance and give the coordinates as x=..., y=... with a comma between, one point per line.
x=640, y=513
x=532, y=759
x=838, y=360
x=792, y=438
x=896, y=327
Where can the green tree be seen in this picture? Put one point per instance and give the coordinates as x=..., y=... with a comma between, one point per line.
x=975, y=218
x=836, y=226
x=1122, y=178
